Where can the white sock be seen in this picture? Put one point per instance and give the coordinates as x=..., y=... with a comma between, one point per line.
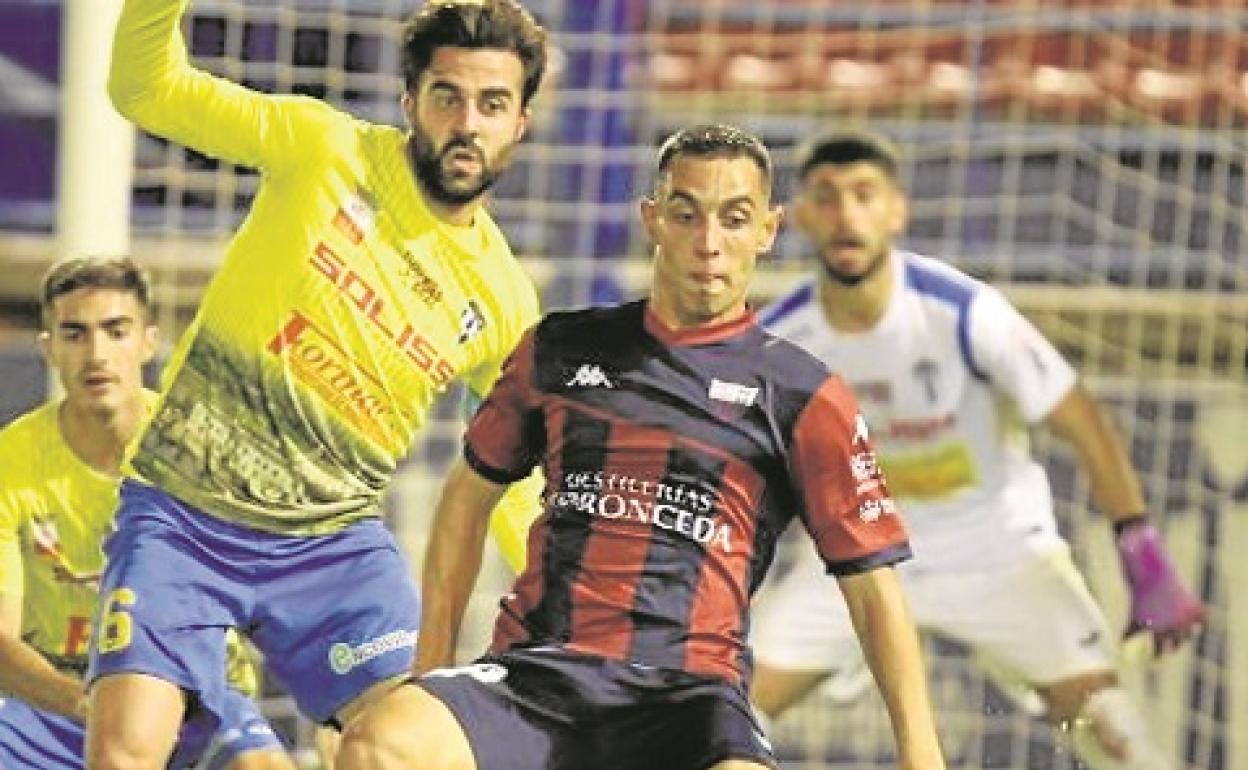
x=1110, y=711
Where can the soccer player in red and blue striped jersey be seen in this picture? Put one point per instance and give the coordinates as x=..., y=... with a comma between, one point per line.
x=678, y=440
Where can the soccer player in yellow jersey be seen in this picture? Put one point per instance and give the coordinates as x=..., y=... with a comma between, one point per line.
x=59, y=470
x=366, y=278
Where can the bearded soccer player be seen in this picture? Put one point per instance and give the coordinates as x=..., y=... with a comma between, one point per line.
x=366, y=278
x=678, y=439
x=59, y=471
x=949, y=376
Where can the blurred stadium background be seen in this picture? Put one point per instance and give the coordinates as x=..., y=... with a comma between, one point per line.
x=1088, y=155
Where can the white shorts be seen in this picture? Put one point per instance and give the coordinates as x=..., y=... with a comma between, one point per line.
x=1036, y=618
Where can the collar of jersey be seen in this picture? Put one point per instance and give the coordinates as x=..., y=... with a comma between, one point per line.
x=700, y=335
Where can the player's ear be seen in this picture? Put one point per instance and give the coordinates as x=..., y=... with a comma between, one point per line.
x=649, y=211
x=771, y=227
x=407, y=103
x=901, y=211
x=522, y=126
x=151, y=341
x=45, y=345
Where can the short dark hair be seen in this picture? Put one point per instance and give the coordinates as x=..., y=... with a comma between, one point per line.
x=493, y=24
x=73, y=273
x=843, y=148
x=715, y=139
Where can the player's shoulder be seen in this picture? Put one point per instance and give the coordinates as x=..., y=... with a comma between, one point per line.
x=937, y=280
x=592, y=325
x=25, y=434
x=500, y=263
x=328, y=131
x=779, y=353
x=792, y=308
x=32, y=425
x=797, y=382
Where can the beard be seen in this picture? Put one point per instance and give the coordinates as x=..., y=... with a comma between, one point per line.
x=447, y=188
x=853, y=279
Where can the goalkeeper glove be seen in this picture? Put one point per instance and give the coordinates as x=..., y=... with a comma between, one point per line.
x=1160, y=603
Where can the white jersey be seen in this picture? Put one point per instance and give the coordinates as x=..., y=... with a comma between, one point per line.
x=948, y=379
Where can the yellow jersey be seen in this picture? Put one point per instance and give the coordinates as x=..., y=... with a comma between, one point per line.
x=55, y=511
x=342, y=309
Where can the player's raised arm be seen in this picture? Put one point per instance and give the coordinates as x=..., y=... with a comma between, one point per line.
x=152, y=83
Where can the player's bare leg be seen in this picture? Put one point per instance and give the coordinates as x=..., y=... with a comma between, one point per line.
x=406, y=728
x=774, y=690
x=1107, y=729
x=327, y=741
x=262, y=759
x=133, y=722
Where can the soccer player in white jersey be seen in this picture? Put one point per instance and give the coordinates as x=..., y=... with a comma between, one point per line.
x=950, y=376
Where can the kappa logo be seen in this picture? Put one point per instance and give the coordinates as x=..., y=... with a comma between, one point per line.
x=589, y=376
x=732, y=393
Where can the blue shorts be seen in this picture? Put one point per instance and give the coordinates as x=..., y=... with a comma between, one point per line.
x=33, y=739
x=332, y=614
x=243, y=729
x=546, y=709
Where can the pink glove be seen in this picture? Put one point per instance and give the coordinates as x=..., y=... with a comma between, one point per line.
x=1160, y=603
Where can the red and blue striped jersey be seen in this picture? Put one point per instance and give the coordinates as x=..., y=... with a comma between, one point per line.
x=673, y=462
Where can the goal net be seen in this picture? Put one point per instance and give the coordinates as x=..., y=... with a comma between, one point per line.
x=1087, y=155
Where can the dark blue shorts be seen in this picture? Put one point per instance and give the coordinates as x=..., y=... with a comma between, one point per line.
x=333, y=614
x=546, y=709
x=33, y=739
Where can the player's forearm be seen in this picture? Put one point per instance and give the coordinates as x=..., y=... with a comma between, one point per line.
x=447, y=582
x=147, y=51
x=1083, y=422
x=27, y=676
x=452, y=562
x=891, y=647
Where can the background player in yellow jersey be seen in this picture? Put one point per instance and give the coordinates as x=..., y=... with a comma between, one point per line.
x=59, y=470
x=366, y=278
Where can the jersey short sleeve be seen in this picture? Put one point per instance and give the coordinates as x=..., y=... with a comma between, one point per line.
x=503, y=441
x=854, y=522
x=1016, y=357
